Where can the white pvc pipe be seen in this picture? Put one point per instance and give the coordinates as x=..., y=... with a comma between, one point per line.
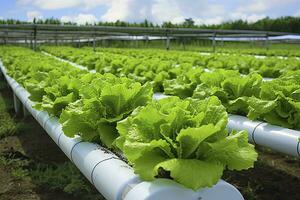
x=69, y=62
x=158, y=96
x=112, y=177
x=280, y=139
x=17, y=104
x=161, y=189
x=268, y=79
x=254, y=55
x=238, y=122
x=124, y=179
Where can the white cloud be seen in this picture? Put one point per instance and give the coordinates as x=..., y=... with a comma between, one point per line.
x=52, y=4
x=158, y=11
x=24, y=2
x=260, y=6
x=247, y=17
x=254, y=17
x=117, y=10
x=80, y=19
x=88, y=4
x=33, y=14
x=61, y=4
x=297, y=14
x=255, y=6
x=166, y=10
x=128, y=10
x=209, y=21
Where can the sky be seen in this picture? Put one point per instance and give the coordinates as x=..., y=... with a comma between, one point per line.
x=157, y=11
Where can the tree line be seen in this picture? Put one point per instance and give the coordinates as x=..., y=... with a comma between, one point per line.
x=280, y=24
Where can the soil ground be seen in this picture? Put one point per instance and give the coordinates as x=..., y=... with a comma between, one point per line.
x=275, y=176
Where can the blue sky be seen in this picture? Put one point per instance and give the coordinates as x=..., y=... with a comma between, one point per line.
x=203, y=12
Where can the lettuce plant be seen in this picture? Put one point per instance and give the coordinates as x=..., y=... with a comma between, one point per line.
x=105, y=100
x=184, y=140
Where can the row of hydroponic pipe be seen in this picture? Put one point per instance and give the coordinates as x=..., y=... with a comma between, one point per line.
x=277, y=138
x=112, y=177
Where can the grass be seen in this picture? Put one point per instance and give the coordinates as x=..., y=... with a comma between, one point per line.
x=65, y=177
x=7, y=123
x=19, y=173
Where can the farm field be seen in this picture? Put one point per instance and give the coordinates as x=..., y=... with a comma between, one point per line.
x=237, y=81
x=106, y=97
x=149, y=100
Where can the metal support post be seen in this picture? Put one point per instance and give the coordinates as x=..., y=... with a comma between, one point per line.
x=267, y=41
x=94, y=44
x=56, y=43
x=31, y=44
x=168, y=43
x=34, y=37
x=25, y=112
x=17, y=104
x=214, y=41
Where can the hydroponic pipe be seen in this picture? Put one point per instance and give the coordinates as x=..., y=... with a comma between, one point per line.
x=112, y=177
x=256, y=56
x=69, y=62
x=280, y=139
x=275, y=137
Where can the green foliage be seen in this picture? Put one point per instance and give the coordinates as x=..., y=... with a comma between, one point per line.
x=87, y=104
x=276, y=101
x=185, y=138
x=7, y=123
x=159, y=66
x=65, y=177
x=105, y=101
x=19, y=173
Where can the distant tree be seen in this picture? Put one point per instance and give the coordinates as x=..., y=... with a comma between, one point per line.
x=168, y=25
x=189, y=23
x=281, y=24
x=145, y=23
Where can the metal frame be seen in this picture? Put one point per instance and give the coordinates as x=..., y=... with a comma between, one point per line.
x=41, y=33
